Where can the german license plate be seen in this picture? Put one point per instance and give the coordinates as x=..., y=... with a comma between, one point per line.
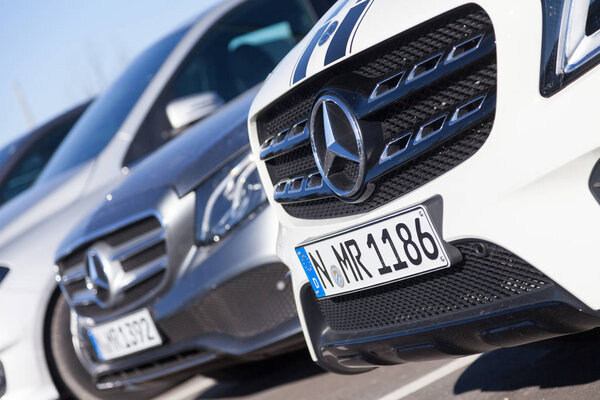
x=392, y=248
x=127, y=335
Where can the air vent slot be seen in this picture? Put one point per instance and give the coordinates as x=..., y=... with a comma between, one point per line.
x=396, y=147
x=387, y=86
x=431, y=128
x=424, y=68
x=464, y=48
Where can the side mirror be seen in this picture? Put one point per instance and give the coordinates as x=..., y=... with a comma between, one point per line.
x=187, y=110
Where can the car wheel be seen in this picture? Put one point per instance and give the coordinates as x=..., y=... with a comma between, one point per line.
x=69, y=370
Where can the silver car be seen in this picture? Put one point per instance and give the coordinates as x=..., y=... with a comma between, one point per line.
x=177, y=81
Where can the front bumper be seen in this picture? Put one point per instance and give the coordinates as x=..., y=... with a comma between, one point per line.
x=491, y=299
x=216, y=305
x=227, y=307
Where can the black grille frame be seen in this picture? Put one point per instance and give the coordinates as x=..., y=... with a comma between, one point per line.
x=365, y=70
x=74, y=263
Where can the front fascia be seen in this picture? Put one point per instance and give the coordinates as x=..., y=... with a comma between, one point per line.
x=526, y=189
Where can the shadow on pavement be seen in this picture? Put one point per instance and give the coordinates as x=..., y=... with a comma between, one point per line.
x=565, y=361
x=267, y=374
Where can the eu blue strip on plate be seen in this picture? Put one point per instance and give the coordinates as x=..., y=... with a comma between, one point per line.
x=310, y=272
x=95, y=345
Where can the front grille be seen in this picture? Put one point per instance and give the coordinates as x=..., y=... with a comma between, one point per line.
x=407, y=112
x=136, y=252
x=489, y=274
x=247, y=305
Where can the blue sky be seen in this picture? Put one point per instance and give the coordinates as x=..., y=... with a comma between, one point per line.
x=61, y=52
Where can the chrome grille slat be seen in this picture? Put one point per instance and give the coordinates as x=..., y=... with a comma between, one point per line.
x=137, y=245
x=115, y=269
x=82, y=298
x=143, y=272
x=77, y=275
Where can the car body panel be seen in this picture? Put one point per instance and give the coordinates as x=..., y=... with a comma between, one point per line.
x=195, y=272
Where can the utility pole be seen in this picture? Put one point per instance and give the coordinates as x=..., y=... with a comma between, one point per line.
x=29, y=120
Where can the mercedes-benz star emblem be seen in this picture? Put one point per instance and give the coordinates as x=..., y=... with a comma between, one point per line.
x=337, y=146
x=98, y=280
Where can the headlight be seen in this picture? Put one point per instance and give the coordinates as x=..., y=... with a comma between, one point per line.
x=227, y=198
x=571, y=42
x=3, y=273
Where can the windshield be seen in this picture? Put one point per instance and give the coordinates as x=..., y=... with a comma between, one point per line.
x=100, y=123
x=10, y=149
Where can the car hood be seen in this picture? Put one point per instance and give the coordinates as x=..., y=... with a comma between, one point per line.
x=189, y=159
x=181, y=165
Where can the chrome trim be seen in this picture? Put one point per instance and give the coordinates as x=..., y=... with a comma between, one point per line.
x=456, y=117
x=309, y=177
x=420, y=138
x=280, y=137
x=76, y=276
x=413, y=73
x=279, y=188
x=575, y=48
x=374, y=95
x=90, y=237
x=360, y=157
x=567, y=51
x=106, y=259
x=272, y=148
x=386, y=156
x=291, y=185
x=142, y=273
x=451, y=56
x=294, y=131
x=137, y=245
x=413, y=149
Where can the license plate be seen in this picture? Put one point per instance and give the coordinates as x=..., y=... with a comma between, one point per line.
x=392, y=248
x=127, y=335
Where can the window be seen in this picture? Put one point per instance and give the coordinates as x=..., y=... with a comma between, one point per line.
x=100, y=123
x=235, y=55
x=10, y=149
x=31, y=164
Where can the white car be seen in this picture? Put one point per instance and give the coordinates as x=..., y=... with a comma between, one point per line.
x=434, y=168
x=182, y=78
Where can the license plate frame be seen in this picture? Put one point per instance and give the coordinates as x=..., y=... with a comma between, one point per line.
x=119, y=337
x=343, y=269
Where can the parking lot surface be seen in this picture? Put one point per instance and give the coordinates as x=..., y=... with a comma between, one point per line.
x=557, y=369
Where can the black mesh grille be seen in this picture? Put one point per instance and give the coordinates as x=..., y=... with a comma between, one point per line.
x=489, y=274
x=421, y=43
x=444, y=97
x=132, y=231
x=249, y=304
x=360, y=74
x=151, y=254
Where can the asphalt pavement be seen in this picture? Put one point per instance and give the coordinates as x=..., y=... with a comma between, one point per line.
x=557, y=369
